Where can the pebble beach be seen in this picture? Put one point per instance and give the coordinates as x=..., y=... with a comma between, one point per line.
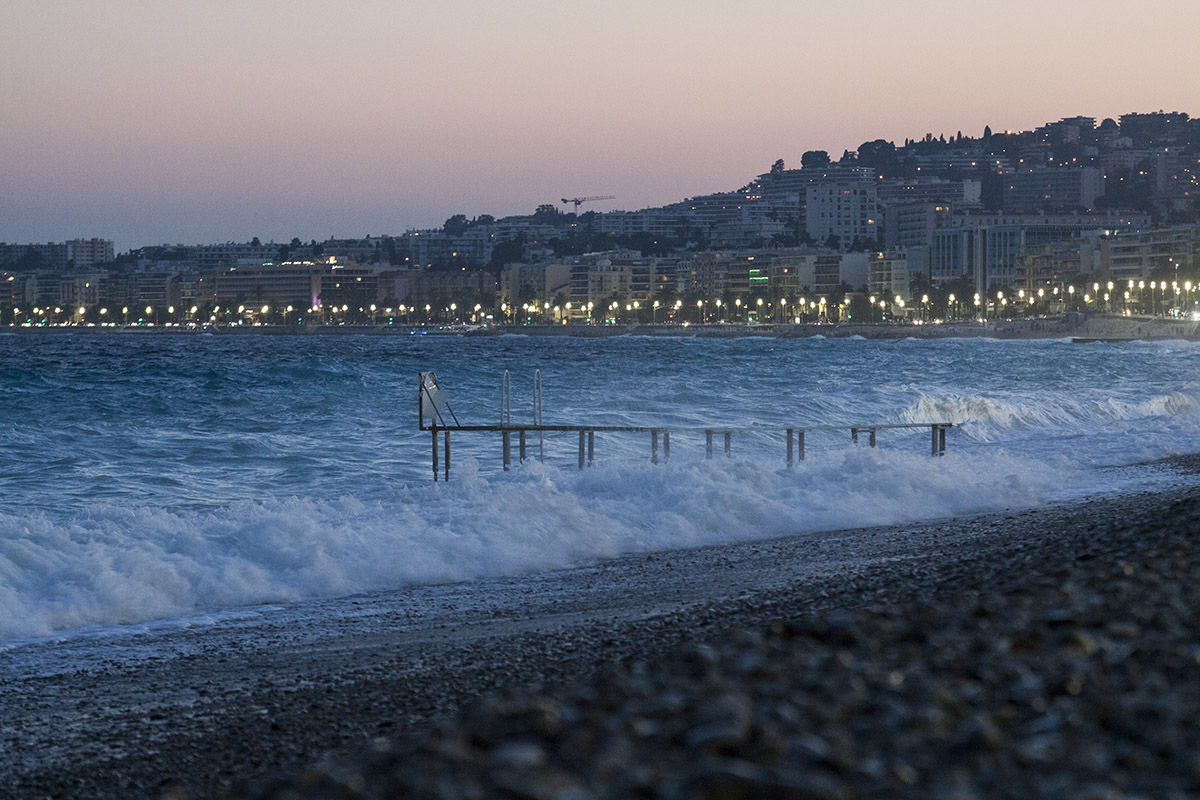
x=1042, y=653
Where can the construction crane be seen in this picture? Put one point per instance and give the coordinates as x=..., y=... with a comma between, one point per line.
x=578, y=201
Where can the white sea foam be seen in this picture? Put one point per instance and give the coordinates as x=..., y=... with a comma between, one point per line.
x=272, y=490
x=120, y=565
x=985, y=417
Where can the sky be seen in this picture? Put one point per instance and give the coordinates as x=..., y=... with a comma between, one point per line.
x=190, y=121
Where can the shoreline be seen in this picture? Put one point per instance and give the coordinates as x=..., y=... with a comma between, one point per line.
x=221, y=709
x=1078, y=327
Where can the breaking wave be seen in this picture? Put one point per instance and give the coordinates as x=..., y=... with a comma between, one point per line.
x=117, y=564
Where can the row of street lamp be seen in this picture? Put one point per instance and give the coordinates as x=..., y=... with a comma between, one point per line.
x=1162, y=296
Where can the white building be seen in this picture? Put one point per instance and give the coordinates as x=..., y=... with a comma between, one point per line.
x=844, y=203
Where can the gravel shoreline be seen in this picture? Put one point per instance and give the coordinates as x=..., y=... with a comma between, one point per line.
x=1040, y=653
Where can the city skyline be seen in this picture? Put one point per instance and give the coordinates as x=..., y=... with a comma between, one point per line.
x=221, y=121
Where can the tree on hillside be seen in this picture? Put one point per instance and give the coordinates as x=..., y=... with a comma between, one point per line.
x=880, y=154
x=547, y=213
x=815, y=159
x=507, y=252
x=456, y=225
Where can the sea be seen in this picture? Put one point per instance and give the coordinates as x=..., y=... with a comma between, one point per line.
x=156, y=477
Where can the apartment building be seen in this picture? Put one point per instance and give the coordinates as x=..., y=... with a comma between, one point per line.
x=844, y=203
x=1053, y=188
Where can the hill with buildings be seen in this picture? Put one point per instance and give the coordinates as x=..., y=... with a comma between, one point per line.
x=1076, y=214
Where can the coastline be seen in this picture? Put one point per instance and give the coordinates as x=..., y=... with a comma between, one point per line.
x=1082, y=327
x=216, y=709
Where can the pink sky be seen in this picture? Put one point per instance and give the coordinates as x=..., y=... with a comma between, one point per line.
x=148, y=122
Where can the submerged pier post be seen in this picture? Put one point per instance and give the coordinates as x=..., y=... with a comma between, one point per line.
x=800, y=444
x=790, y=434
x=872, y=437
x=653, y=447
x=728, y=442
x=521, y=440
x=591, y=447
x=933, y=429
x=506, y=436
x=447, y=455
x=666, y=445
x=435, y=453
x=708, y=444
x=854, y=435
x=941, y=440
x=581, y=448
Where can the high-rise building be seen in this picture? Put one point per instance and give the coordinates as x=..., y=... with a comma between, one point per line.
x=843, y=203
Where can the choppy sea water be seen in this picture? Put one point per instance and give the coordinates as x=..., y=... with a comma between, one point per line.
x=151, y=477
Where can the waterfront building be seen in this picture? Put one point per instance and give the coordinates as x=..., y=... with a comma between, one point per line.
x=539, y=282
x=1123, y=255
x=9, y=290
x=441, y=287
x=892, y=273
x=985, y=247
x=301, y=284
x=1057, y=264
x=80, y=289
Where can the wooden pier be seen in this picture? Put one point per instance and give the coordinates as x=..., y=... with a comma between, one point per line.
x=433, y=406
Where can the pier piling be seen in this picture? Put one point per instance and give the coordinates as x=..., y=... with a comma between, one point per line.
x=435, y=454
x=436, y=416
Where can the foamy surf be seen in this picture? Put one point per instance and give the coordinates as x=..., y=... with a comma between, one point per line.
x=120, y=565
x=194, y=475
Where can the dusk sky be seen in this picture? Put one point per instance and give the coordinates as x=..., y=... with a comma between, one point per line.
x=151, y=122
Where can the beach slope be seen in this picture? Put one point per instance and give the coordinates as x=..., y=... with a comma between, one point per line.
x=1041, y=653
